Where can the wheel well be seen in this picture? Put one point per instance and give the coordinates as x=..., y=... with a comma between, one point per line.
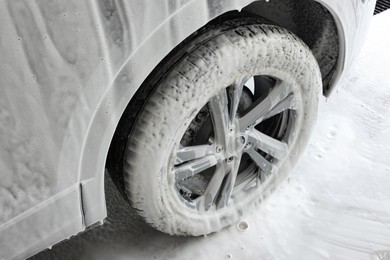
x=311, y=22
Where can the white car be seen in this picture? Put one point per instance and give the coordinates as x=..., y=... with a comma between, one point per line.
x=198, y=109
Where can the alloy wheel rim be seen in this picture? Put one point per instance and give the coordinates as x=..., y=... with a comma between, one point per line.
x=208, y=173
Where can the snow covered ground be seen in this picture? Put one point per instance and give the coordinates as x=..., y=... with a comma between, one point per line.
x=335, y=205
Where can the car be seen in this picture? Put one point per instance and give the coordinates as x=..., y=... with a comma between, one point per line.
x=197, y=110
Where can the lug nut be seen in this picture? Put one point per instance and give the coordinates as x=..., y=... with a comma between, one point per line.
x=248, y=145
x=219, y=149
x=230, y=159
x=249, y=127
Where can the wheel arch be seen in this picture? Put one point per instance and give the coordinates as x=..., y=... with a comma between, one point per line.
x=316, y=24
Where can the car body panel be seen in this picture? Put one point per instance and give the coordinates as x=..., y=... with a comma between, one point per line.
x=69, y=69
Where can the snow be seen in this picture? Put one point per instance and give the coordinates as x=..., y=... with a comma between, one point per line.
x=335, y=205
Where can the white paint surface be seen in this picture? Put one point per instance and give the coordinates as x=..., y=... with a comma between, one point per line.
x=335, y=205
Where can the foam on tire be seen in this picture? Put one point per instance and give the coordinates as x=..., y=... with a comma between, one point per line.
x=214, y=62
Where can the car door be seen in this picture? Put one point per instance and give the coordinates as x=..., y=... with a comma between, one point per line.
x=49, y=51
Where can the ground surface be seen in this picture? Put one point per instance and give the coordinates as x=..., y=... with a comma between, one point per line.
x=335, y=205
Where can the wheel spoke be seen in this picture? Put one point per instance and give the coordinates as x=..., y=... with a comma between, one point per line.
x=228, y=184
x=288, y=103
x=210, y=194
x=261, y=107
x=189, y=153
x=193, y=167
x=266, y=167
x=235, y=93
x=267, y=144
x=219, y=112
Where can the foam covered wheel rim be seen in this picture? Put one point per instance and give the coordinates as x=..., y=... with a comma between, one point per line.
x=209, y=169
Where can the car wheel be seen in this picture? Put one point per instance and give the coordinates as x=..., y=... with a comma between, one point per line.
x=224, y=125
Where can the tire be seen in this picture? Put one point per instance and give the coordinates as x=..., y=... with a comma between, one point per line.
x=205, y=148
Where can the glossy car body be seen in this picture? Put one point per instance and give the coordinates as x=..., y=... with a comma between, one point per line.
x=68, y=70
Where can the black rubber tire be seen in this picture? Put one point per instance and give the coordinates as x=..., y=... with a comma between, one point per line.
x=210, y=62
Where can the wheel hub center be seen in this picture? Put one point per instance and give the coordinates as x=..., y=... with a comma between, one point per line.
x=236, y=145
